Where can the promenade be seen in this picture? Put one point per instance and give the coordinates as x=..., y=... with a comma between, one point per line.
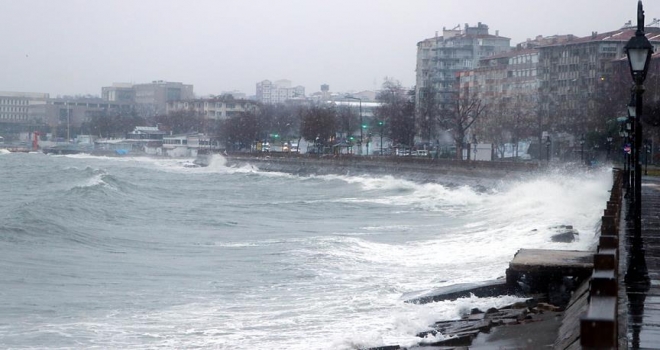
x=642, y=282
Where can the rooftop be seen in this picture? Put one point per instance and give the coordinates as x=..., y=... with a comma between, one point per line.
x=619, y=35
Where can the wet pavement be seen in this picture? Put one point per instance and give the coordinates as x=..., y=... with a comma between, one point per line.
x=642, y=280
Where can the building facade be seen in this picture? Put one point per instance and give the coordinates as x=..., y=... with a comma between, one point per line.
x=119, y=92
x=552, y=90
x=440, y=58
x=213, y=108
x=278, y=92
x=64, y=117
x=149, y=99
x=574, y=76
x=15, y=110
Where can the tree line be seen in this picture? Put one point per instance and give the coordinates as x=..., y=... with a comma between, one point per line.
x=458, y=116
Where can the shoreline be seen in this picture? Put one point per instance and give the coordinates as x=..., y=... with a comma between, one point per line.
x=535, y=323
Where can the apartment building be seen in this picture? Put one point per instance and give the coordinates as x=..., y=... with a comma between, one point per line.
x=440, y=58
x=213, y=108
x=279, y=91
x=574, y=74
x=556, y=86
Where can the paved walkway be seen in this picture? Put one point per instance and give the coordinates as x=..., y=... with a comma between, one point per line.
x=643, y=289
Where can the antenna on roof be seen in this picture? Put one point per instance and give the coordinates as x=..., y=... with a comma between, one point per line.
x=655, y=22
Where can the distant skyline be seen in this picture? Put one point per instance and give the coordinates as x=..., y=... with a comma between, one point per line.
x=68, y=47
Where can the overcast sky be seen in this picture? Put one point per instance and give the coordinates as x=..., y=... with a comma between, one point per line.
x=75, y=46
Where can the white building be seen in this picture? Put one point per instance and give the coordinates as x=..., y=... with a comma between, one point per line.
x=441, y=57
x=188, y=145
x=213, y=108
x=14, y=106
x=279, y=91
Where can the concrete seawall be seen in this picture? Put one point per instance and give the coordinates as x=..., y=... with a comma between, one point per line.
x=416, y=169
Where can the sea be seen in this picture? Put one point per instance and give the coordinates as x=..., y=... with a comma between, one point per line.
x=152, y=253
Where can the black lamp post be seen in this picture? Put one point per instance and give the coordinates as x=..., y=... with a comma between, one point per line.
x=381, y=124
x=639, y=51
x=623, y=133
x=582, y=148
x=647, y=151
x=629, y=140
x=609, y=146
x=547, y=147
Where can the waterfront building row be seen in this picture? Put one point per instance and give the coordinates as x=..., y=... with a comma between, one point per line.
x=556, y=83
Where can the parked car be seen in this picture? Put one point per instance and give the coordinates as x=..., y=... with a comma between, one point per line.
x=420, y=153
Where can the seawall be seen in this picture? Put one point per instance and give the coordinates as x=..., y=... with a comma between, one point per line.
x=446, y=172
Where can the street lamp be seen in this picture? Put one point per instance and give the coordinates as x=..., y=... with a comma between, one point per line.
x=547, y=147
x=628, y=133
x=609, y=146
x=623, y=133
x=361, y=123
x=647, y=151
x=381, y=124
x=639, y=51
x=582, y=148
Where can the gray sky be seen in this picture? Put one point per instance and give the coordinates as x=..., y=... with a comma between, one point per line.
x=75, y=46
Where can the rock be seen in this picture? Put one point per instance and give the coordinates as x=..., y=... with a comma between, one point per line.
x=509, y=321
x=548, y=307
x=518, y=305
x=482, y=289
x=492, y=310
x=475, y=311
x=476, y=317
x=566, y=237
x=566, y=234
x=517, y=314
x=427, y=333
x=463, y=340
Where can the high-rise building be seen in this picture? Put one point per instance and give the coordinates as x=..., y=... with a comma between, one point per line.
x=441, y=57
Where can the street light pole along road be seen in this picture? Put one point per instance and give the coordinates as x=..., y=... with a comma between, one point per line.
x=639, y=51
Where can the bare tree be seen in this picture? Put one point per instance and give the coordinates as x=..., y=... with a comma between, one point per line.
x=468, y=109
x=397, y=111
x=182, y=121
x=239, y=131
x=319, y=123
x=429, y=112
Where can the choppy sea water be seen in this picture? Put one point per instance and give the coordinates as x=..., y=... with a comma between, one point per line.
x=138, y=253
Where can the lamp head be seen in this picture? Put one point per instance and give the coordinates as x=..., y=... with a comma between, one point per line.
x=639, y=49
